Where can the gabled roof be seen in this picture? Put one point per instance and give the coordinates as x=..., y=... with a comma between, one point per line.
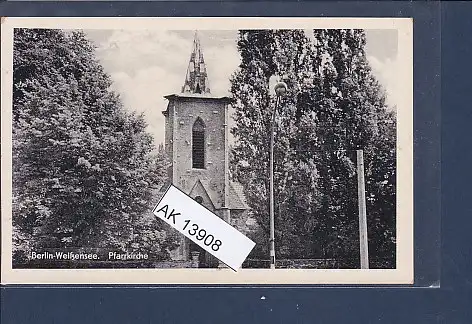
x=237, y=199
x=201, y=186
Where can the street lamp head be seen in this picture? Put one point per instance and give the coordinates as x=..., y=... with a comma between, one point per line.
x=280, y=88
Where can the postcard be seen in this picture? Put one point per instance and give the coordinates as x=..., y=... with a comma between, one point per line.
x=288, y=143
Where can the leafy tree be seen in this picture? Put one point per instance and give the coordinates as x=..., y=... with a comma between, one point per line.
x=357, y=118
x=334, y=107
x=83, y=167
x=265, y=53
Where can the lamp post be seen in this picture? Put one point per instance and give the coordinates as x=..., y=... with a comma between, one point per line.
x=280, y=88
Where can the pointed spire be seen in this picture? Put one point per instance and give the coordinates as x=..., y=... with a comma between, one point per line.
x=196, y=80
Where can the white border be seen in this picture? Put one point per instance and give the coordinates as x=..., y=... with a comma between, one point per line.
x=403, y=274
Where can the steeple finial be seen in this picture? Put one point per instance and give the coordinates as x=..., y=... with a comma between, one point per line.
x=196, y=80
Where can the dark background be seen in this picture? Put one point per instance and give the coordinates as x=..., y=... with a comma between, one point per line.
x=443, y=54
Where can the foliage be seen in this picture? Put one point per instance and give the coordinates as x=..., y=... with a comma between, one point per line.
x=333, y=107
x=293, y=178
x=83, y=167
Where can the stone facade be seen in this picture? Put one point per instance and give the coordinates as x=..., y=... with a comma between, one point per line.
x=181, y=115
x=207, y=182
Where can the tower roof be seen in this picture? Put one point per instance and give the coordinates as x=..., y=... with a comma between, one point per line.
x=196, y=80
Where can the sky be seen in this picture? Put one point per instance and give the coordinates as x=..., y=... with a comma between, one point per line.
x=146, y=65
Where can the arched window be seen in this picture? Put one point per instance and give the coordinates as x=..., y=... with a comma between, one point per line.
x=198, y=144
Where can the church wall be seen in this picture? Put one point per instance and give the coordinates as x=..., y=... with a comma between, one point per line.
x=212, y=112
x=169, y=120
x=195, y=101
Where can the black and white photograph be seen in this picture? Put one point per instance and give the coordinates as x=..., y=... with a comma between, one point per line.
x=296, y=132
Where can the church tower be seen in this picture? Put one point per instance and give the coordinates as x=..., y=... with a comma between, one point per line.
x=196, y=142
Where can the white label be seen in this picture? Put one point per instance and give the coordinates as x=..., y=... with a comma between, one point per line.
x=203, y=227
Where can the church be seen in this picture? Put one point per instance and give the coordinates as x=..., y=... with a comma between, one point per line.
x=196, y=143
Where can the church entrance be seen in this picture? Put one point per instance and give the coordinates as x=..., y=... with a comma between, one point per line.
x=205, y=259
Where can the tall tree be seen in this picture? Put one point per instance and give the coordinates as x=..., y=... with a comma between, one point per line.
x=356, y=117
x=83, y=167
x=334, y=107
x=265, y=53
